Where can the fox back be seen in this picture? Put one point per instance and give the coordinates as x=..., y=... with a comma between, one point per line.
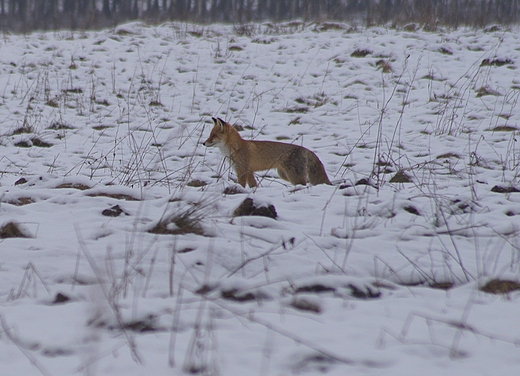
x=294, y=163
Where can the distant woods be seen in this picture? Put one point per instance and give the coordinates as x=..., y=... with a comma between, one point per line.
x=29, y=15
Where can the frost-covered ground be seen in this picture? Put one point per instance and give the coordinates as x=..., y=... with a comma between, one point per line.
x=380, y=274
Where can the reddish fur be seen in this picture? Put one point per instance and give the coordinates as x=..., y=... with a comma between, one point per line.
x=294, y=163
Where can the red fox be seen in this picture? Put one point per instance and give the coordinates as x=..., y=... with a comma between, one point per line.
x=294, y=163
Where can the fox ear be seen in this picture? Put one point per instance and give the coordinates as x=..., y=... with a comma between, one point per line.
x=218, y=121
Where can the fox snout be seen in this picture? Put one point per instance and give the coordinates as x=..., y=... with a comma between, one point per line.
x=212, y=141
x=208, y=143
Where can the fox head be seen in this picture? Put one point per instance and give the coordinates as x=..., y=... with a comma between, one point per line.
x=219, y=134
x=216, y=135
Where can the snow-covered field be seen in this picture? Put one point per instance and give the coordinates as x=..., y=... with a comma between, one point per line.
x=380, y=274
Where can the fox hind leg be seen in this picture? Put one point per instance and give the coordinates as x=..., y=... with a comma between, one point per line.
x=316, y=172
x=282, y=174
x=294, y=174
x=292, y=167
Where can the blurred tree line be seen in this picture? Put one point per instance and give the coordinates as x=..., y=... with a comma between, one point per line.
x=28, y=15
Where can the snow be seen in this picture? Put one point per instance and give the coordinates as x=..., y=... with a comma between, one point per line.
x=340, y=283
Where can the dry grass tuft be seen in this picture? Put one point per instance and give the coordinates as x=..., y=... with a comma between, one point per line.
x=196, y=183
x=384, y=65
x=360, y=53
x=448, y=156
x=148, y=324
x=114, y=211
x=12, y=230
x=233, y=190
x=315, y=288
x=326, y=26
x=442, y=285
x=295, y=109
x=40, y=143
x=400, y=177
x=366, y=293
x=412, y=210
x=23, y=144
x=23, y=129
x=117, y=196
x=61, y=298
x=497, y=286
x=504, y=128
x=496, y=62
x=20, y=201
x=237, y=295
x=483, y=91
x=20, y=181
x=500, y=189
x=305, y=305
x=248, y=207
x=56, y=126
x=81, y=187
x=247, y=30
x=187, y=221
